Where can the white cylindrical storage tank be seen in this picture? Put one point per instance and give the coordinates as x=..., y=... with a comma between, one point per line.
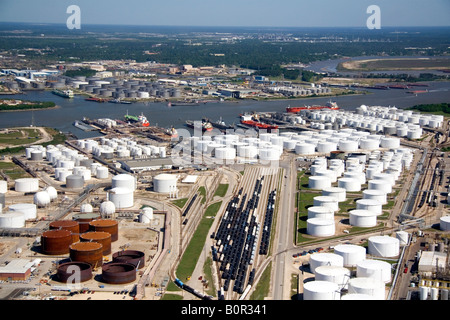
x=29, y=210
x=102, y=173
x=378, y=195
x=356, y=296
x=62, y=176
x=349, y=184
x=305, y=148
x=390, y=142
x=335, y=192
x=12, y=219
x=369, y=144
x=165, y=183
x=424, y=292
x=444, y=223
x=124, y=181
x=248, y=152
x=326, y=147
x=384, y=246
x=121, y=197
x=374, y=206
x=324, y=201
x=327, y=173
x=317, y=227
x=370, y=286
x=384, y=176
x=41, y=199
x=290, y=144
x=26, y=185
x=319, y=182
x=74, y=181
x=348, y=145
x=86, y=208
x=320, y=212
x=377, y=269
x=325, y=259
x=269, y=154
x=361, y=176
x=321, y=290
x=363, y=218
x=107, y=208
x=146, y=215
x=225, y=153
x=351, y=253
x=403, y=237
x=378, y=184
x=338, y=275
x=3, y=186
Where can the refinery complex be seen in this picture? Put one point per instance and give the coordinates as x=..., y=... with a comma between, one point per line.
x=317, y=203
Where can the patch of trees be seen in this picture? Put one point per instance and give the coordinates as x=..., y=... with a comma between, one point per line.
x=24, y=106
x=436, y=107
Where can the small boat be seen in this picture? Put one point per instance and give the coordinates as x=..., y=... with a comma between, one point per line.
x=205, y=125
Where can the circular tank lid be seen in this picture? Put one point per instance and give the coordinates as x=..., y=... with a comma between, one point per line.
x=63, y=223
x=85, y=246
x=57, y=233
x=95, y=235
x=321, y=286
x=103, y=222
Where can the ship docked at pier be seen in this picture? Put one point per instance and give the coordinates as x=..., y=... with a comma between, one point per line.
x=63, y=93
x=330, y=105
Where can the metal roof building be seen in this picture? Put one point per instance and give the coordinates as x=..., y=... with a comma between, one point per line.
x=135, y=166
x=18, y=269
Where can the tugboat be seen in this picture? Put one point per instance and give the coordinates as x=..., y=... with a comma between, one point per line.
x=219, y=124
x=205, y=125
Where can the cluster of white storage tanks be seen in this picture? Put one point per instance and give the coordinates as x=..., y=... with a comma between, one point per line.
x=16, y=214
x=73, y=168
x=121, y=148
x=386, y=120
x=332, y=271
x=379, y=170
x=235, y=147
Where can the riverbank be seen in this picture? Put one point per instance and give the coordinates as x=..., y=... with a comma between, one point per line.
x=397, y=64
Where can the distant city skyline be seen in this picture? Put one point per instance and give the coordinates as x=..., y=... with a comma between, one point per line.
x=243, y=13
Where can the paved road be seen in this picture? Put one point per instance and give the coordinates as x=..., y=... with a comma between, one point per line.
x=284, y=240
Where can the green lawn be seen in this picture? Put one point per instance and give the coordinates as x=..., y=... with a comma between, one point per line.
x=221, y=190
x=194, y=249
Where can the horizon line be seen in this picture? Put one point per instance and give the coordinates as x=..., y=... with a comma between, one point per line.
x=219, y=26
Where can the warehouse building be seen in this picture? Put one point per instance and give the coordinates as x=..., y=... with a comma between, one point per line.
x=134, y=166
x=18, y=269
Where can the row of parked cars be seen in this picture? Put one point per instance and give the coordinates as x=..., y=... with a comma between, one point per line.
x=304, y=253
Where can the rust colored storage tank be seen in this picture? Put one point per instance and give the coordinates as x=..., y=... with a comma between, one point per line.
x=106, y=225
x=70, y=225
x=118, y=273
x=98, y=236
x=136, y=258
x=66, y=272
x=54, y=242
x=84, y=219
x=90, y=252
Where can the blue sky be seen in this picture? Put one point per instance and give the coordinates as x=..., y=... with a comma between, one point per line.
x=271, y=13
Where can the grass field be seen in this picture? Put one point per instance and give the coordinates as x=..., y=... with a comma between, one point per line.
x=18, y=137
